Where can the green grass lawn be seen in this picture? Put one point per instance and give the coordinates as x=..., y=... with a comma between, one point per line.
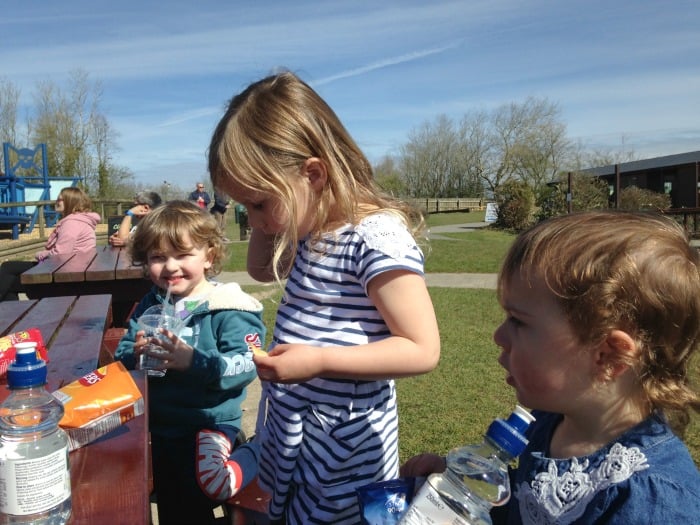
x=454, y=404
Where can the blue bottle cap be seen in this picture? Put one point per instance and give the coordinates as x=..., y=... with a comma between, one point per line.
x=510, y=434
x=27, y=369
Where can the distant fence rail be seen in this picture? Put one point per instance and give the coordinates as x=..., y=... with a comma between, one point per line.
x=448, y=205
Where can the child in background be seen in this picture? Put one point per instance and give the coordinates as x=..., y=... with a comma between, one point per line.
x=603, y=319
x=195, y=408
x=355, y=313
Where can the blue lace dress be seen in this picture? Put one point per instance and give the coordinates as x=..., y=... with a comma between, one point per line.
x=645, y=476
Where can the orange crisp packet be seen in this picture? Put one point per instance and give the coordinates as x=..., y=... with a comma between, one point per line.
x=97, y=403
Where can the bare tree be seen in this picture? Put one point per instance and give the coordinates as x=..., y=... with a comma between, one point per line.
x=77, y=134
x=435, y=161
x=388, y=177
x=9, y=98
x=530, y=143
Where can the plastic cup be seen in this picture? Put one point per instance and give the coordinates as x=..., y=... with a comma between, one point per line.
x=150, y=324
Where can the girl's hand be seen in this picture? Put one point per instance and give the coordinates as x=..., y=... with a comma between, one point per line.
x=290, y=363
x=423, y=465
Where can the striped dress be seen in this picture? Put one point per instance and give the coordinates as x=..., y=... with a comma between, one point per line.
x=323, y=438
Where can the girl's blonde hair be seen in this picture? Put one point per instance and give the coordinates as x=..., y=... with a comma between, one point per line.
x=267, y=133
x=630, y=271
x=166, y=225
x=75, y=200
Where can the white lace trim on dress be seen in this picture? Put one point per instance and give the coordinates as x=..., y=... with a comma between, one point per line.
x=393, y=240
x=553, y=499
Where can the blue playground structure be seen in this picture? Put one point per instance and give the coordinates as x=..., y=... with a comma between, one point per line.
x=26, y=179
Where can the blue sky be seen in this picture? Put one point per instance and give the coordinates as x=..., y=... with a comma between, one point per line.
x=625, y=74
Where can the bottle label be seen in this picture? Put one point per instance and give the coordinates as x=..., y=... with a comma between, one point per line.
x=34, y=485
x=428, y=508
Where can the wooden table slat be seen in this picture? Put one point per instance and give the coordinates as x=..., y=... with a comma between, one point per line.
x=43, y=272
x=74, y=270
x=125, y=270
x=103, y=266
x=10, y=311
x=73, y=349
x=47, y=316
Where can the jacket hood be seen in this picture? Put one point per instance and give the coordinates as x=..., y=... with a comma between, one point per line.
x=90, y=218
x=224, y=296
x=229, y=296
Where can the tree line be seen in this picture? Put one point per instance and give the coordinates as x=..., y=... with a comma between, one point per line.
x=476, y=155
x=79, y=138
x=484, y=149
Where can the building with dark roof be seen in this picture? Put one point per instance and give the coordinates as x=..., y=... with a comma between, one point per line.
x=678, y=175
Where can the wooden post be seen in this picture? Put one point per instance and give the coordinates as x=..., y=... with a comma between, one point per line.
x=42, y=221
x=617, y=186
x=697, y=180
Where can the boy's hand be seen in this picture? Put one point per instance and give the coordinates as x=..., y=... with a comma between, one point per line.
x=177, y=354
x=423, y=465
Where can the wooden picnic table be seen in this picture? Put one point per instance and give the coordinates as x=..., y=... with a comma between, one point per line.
x=105, y=270
x=111, y=477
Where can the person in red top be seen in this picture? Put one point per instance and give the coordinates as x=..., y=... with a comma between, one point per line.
x=75, y=232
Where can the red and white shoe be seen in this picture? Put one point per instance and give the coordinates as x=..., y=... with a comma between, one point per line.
x=218, y=477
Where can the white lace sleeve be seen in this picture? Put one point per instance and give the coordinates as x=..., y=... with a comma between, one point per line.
x=386, y=233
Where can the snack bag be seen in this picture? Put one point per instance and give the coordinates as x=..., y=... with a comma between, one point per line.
x=97, y=403
x=8, y=342
x=385, y=502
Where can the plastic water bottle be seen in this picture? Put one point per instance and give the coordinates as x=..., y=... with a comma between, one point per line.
x=34, y=470
x=476, y=477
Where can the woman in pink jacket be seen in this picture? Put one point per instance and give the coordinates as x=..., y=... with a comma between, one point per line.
x=75, y=232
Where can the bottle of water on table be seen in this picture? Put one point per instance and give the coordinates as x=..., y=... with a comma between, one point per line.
x=476, y=477
x=34, y=471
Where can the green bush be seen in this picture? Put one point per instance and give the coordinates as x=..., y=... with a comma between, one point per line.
x=516, y=202
x=633, y=198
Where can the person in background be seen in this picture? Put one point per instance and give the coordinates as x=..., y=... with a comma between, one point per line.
x=144, y=202
x=200, y=197
x=602, y=324
x=356, y=311
x=195, y=408
x=219, y=209
x=74, y=233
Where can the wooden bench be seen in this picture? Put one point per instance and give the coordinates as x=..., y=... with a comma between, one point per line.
x=249, y=506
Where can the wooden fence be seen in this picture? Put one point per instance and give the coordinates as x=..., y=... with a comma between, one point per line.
x=448, y=205
x=107, y=208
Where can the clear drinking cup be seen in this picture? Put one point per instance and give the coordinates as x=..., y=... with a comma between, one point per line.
x=150, y=324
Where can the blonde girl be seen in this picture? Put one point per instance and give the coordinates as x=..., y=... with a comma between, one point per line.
x=356, y=312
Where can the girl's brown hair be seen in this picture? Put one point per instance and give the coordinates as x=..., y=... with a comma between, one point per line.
x=263, y=139
x=166, y=225
x=75, y=200
x=630, y=271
